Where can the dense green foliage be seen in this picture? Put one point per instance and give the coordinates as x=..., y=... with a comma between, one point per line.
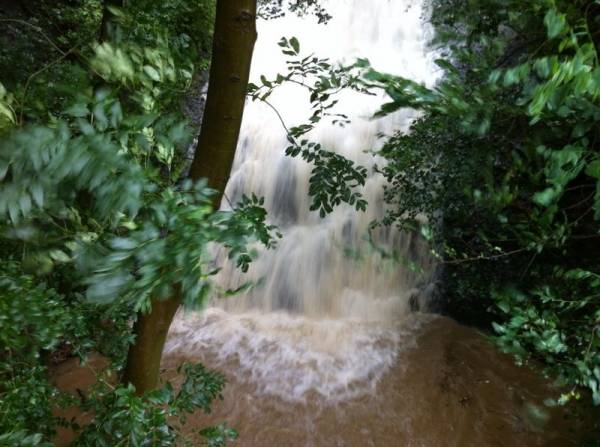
x=270, y=9
x=505, y=164
x=156, y=418
x=93, y=218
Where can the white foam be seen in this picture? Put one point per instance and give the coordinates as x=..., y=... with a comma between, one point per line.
x=294, y=356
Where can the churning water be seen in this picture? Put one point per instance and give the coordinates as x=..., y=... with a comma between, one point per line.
x=320, y=319
x=326, y=340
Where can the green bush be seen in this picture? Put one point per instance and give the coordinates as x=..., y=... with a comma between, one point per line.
x=505, y=165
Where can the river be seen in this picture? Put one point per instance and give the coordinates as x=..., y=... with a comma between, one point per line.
x=333, y=349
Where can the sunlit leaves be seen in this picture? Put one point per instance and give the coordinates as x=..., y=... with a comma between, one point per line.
x=150, y=71
x=42, y=161
x=113, y=63
x=7, y=115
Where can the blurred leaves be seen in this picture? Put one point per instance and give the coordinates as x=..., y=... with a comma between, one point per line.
x=92, y=145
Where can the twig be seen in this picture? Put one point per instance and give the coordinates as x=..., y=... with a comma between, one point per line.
x=228, y=201
x=287, y=130
x=581, y=202
x=38, y=29
x=587, y=351
x=484, y=258
x=41, y=70
x=587, y=236
x=528, y=266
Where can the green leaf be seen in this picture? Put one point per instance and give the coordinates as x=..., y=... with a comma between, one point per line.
x=78, y=110
x=25, y=204
x=265, y=81
x=295, y=44
x=504, y=306
x=546, y=197
x=152, y=73
x=593, y=169
x=446, y=65
x=555, y=23
x=121, y=243
x=59, y=256
x=37, y=192
x=7, y=112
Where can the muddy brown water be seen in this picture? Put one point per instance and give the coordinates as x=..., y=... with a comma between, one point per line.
x=450, y=388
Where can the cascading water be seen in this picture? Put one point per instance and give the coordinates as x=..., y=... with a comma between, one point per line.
x=311, y=273
x=314, y=304
x=322, y=345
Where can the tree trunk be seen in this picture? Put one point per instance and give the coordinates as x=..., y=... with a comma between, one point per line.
x=233, y=45
x=143, y=359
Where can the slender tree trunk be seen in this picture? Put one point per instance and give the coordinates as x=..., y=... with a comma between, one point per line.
x=143, y=359
x=233, y=45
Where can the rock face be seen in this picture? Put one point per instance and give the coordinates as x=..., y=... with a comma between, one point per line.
x=195, y=99
x=193, y=109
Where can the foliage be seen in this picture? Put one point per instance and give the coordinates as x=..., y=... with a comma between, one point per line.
x=23, y=439
x=35, y=322
x=218, y=436
x=37, y=32
x=504, y=164
x=171, y=246
x=271, y=9
x=334, y=179
x=7, y=113
x=121, y=417
x=188, y=25
x=94, y=219
x=26, y=405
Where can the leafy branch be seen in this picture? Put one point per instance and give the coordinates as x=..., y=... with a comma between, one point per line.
x=334, y=178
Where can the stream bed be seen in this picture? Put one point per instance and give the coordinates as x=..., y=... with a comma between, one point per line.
x=449, y=386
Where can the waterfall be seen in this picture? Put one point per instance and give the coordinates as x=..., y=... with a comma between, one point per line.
x=328, y=312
